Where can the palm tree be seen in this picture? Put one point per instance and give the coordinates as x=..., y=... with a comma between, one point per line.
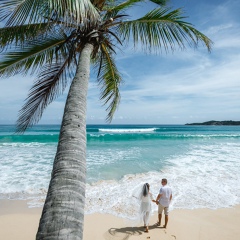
x=59, y=40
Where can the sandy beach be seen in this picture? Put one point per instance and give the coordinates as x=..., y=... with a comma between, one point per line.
x=18, y=222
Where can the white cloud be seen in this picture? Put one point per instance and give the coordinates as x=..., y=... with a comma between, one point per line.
x=185, y=86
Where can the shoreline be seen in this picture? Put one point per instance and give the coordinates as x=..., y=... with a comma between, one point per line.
x=19, y=222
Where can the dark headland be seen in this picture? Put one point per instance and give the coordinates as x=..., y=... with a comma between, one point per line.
x=217, y=123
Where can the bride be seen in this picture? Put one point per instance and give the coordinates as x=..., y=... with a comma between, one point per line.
x=145, y=204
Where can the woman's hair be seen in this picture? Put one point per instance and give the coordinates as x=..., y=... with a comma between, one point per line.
x=145, y=189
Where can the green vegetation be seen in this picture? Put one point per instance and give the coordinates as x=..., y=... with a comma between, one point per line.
x=217, y=123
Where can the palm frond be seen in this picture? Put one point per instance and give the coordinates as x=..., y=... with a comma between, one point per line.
x=30, y=57
x=74, y=10
x=51, y=82
x=114, y=35
x=160, y=2
x=19, y=34
x=113, y=10
x=162, y=29
x=18, y=12
x=99, y=4
x=109, y=79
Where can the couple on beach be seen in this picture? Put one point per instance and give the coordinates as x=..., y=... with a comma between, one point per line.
x=163, y=200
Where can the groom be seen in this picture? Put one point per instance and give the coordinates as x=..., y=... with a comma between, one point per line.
x=163, y=200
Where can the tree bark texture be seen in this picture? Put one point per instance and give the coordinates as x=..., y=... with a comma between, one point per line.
x=63, y=212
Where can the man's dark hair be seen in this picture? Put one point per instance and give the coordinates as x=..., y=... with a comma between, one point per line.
x=164, y=180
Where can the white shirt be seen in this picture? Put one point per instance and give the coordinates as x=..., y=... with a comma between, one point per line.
x=166, y=193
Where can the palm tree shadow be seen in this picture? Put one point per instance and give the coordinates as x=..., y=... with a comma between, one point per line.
x=125, y=233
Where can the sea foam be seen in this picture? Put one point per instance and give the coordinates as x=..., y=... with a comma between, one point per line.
x=198, y=179
x=127, y=130
x=202, y=166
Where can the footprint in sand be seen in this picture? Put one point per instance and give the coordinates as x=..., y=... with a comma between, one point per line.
x=174, y=236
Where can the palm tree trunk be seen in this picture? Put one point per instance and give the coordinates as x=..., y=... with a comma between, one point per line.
x=63, y=212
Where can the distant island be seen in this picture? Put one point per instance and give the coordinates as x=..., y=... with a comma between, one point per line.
x=217, y=123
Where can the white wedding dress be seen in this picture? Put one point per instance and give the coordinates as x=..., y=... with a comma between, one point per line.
x=144, y=198
x=146, y=208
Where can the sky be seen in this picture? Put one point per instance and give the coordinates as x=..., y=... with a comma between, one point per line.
x=174, y=88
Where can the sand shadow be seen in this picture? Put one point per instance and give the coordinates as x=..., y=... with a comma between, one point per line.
x=125, y=233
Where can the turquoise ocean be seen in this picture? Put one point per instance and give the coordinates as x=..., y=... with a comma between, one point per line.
x=201, y=163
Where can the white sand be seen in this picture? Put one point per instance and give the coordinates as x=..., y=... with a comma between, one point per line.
x=18, y=222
